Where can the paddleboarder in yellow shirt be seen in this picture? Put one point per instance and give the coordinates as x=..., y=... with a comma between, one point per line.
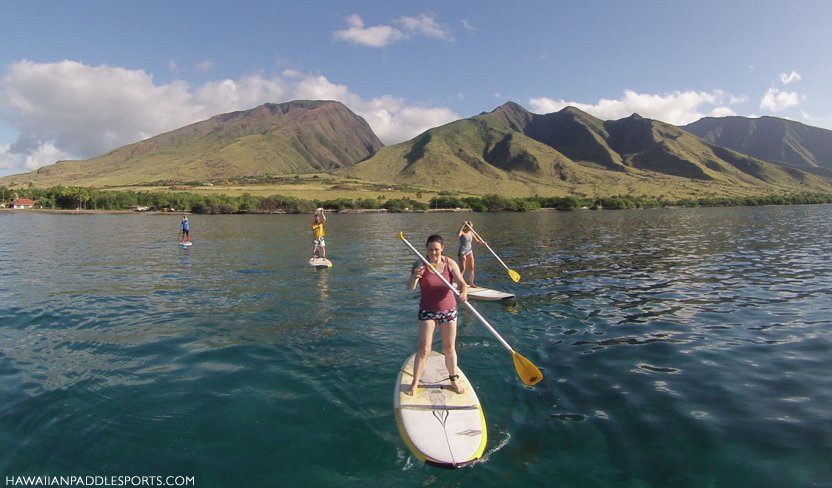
x=318, y=243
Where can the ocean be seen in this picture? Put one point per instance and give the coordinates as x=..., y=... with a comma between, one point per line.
x=680, y=347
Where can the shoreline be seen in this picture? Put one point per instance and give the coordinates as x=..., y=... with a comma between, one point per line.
x=57, y=211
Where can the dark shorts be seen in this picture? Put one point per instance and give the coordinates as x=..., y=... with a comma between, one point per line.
x=443, y=317
x=187, y=232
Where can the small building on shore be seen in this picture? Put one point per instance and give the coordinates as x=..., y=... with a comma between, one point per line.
x=23, y=203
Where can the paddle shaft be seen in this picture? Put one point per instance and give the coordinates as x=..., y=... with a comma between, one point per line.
x=456, y=292
x=489, y=248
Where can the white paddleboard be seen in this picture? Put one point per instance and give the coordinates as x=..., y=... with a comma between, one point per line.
x=479, y=293
x=320, y=262
x=439, y=426
x=186, y=243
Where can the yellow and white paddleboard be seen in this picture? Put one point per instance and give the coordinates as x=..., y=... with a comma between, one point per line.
x=320, y=262
x=441, y=428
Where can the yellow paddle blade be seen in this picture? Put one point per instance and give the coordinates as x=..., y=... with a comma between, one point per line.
x=400, y=235
x=528, y=372
x=514, y=275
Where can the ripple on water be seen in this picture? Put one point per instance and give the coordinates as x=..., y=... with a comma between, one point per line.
x=684, y=344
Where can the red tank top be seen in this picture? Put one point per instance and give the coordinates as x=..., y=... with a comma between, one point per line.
x=436, y=296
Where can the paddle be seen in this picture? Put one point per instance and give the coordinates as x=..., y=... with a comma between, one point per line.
x=514, y=275
x=528, y=372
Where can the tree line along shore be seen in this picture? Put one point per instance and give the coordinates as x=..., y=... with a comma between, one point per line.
x=72, y=198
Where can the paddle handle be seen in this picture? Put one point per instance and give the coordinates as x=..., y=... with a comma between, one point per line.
x=489, y=248
x=456, y=292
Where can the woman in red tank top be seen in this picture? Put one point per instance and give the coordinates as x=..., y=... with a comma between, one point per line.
x=437, y=305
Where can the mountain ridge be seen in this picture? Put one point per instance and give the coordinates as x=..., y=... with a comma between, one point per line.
x=569, y=152
x=301, y=136
x=508, y=150
x=779, y=141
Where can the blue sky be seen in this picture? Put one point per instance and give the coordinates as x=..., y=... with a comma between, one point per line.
x=80, y=78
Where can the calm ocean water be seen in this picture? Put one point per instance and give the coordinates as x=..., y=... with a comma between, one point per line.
x=680, y=347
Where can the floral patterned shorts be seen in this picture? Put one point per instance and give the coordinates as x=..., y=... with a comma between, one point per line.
x=443, y=317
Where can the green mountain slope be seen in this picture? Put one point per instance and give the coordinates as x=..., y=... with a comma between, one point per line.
x=509, y=151
x=513, y=151
x=775, y=140
x=276, y=139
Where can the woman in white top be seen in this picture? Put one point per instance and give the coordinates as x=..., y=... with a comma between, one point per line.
x=466, y=249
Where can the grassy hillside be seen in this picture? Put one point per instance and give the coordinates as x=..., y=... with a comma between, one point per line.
x=514, y=152
x=275, y=139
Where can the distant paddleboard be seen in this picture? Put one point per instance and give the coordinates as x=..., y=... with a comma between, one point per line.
x=185, y=244
x=440, y=427
x=478, y=293
x=320, y=262
x=488, y=294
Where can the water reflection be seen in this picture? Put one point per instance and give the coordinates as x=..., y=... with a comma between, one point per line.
x=323, y=285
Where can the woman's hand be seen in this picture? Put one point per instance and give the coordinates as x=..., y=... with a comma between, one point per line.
x=464, y=295
x=415, y=275
x=418, y=272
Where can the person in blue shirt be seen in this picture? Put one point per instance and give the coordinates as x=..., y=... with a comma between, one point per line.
x=185, y=229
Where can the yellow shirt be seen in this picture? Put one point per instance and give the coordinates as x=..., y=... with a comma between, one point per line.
x=318, y=230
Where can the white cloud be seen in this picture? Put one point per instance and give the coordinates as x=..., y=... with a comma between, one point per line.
x=68, y=110
x=229, y=95
x=204, y=65
x=733, y=100
x=425, y=25
x=676, y=108
x=776, y=100
x=85, y=111
x=389, y=117
x=8, y=160
x=467, y=25
x=790, y=77
x=376, y=36
x=45, y=153
x=721, y=112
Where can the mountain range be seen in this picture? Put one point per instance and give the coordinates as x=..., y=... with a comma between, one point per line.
x=509, y=151
x=778, y=141
x=514, y=151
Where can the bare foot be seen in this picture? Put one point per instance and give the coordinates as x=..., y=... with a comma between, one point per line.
x=456, y=387
x=410, y=391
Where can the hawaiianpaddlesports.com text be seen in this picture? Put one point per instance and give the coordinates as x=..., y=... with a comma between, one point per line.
x=100, y=481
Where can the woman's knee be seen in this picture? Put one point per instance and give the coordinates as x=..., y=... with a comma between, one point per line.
x=423, y=351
